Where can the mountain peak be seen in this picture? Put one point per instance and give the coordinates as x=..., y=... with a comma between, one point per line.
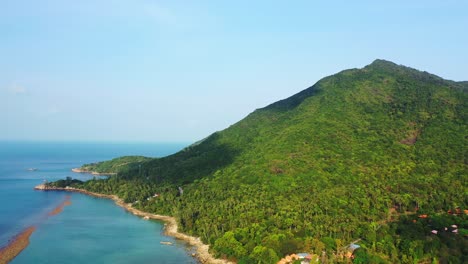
x=379, y=62
x=378, y=65
x=384, y=64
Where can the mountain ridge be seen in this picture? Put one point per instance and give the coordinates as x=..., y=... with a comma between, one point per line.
x=358, y=155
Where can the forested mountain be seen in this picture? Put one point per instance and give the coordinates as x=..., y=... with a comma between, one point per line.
x=376, y=154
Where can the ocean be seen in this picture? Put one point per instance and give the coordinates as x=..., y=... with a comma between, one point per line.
x=89, y=230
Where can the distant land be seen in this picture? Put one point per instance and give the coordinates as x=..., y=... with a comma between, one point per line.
x=366, y=166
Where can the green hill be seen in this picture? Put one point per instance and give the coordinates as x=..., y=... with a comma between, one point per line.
x=359, y=155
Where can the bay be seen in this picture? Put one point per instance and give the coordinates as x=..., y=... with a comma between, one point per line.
x=89, y=229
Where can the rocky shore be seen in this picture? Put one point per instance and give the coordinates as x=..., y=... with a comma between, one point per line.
x=170, y=229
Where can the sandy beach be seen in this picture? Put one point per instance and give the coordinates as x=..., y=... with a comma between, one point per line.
x=171, y=228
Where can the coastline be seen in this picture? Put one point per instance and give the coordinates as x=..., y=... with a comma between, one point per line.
x=170, y=226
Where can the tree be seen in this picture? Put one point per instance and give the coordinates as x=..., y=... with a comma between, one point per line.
x=228, y=245
x=360, y=256
x=264, y=255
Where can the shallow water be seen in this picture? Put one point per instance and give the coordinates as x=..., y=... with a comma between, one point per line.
x=90, y=230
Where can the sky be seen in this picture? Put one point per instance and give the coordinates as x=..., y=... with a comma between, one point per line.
x=177, y=71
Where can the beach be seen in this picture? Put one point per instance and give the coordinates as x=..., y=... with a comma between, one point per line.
x=171, y=228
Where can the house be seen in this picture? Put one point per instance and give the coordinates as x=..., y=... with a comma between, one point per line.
x=350, y=250
x=305, y=258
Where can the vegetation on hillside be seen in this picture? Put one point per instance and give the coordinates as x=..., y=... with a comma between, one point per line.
x=115, y=165
x=375, y=154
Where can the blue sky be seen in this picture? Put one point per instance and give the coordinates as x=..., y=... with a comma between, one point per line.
x=140, y=70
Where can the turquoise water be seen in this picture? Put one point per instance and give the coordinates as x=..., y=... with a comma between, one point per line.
x=90, y=230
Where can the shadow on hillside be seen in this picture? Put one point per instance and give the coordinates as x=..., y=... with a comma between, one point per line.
x=293, y=101
x=194, y=162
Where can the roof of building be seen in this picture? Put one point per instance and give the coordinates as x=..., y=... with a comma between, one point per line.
x=354, y=246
